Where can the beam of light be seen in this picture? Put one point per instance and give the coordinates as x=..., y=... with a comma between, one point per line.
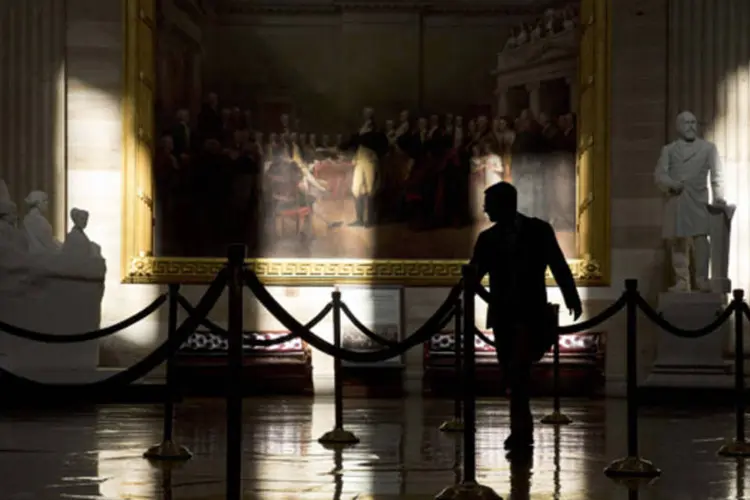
x=94, y=183
x=729, y=130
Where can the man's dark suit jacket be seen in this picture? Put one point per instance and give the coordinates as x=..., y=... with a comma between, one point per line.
x=517, y=260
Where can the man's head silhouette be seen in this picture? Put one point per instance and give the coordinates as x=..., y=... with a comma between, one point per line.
x=501, y=202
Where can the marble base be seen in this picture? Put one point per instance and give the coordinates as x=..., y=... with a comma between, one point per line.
x=691, y=362
x=51, y=304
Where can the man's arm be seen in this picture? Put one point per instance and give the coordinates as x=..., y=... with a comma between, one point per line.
x=561, y=272
x=661, y=175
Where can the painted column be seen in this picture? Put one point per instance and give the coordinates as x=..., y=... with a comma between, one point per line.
x=32, y=102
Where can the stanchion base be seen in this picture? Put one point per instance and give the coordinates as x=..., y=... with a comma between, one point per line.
x=632, y=467
x=338, y=437
x=454, y=425
x=468, y=491
x=168, y=451
x=556, y=418
x=735, y=449
x=634, y=483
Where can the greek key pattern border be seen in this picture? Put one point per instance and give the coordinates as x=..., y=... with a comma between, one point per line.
x=158, y=270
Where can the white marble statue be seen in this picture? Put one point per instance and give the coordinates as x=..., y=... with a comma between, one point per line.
x=11, y=237
x=77, y=243
x=523, y=35
x=38, y=229
x=682, y=173
x=48, y=287
x=510, y=43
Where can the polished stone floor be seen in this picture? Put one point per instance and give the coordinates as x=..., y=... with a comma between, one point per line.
x=96, y=453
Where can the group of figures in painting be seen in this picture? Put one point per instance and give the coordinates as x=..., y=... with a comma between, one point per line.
x=408, y=187
x=553, y=22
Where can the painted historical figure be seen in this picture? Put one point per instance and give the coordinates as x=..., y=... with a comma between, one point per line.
x=400, y=184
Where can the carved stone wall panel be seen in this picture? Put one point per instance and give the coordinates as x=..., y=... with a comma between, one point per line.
x=32, y=101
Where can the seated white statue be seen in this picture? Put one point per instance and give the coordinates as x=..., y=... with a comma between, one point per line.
x=536, y=33
x=46, y=286
x=79, y=254
x=11, y=237
x=522, y=37
x=77, y=243
x=38, y=229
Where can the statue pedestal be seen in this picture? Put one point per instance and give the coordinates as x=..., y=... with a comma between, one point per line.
x=691, y=362
x=48, y=298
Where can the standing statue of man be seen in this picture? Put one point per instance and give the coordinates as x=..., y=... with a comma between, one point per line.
x=682, y=174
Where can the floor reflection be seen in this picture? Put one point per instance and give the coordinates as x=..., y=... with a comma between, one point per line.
x=96, y=454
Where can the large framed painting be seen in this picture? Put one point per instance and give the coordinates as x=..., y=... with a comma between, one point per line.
x=344, y=180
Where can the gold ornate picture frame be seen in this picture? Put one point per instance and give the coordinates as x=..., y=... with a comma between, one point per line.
x=139, y=265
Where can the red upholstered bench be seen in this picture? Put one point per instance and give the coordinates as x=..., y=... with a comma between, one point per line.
x=581, y=365
x=285, y=368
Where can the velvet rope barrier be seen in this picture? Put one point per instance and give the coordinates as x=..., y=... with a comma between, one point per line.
x=633, y=465
x=436, y=323
x=456, y=424
x=143, y=367
x=366, y=331
x=338, y=436
x=221, y=332
x=668, y=327
x=484, y=338
x=597, y=320
x=739, y=447
x=168, y=450
x=71, y=338
x=588, y=324
x=469, y=487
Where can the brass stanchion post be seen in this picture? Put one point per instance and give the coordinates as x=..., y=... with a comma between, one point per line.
x=556, y=417
x=456, y=424
x=338, y=436
x=168, y=450
x=469, y=489
x=739, y=447
x=234, y=374
x=632, y=466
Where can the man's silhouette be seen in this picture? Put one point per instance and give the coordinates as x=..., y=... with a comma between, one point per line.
x=516, y=252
